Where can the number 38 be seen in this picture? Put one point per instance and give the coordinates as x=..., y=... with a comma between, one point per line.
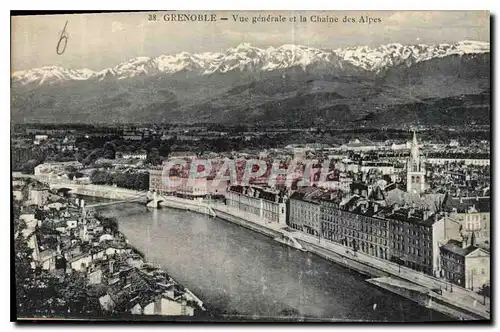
x=152, y=17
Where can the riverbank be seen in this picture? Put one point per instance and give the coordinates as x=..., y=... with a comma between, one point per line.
x=450, y=304
x=419, y=295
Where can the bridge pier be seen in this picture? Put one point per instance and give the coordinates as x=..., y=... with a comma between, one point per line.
x=155, y=200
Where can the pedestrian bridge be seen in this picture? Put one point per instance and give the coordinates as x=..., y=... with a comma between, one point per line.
x=142, y=198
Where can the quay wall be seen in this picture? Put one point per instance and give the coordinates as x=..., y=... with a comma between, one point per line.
x=429, y=301
x=247, y=224
x=184, y=204
x=346, y=260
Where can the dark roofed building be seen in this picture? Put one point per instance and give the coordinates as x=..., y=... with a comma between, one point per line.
x=464, y=204
x=355, y=222
x=304, y=209
x=130, y=284
x=377, y=194
x=360, y=188
x=457, y=247
x=414, y=216
x=415, y=236
x=465, y=264
x=408, y=235
x=310, y=194
x=258, y=192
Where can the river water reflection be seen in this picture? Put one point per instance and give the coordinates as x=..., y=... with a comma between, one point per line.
x=237, y=271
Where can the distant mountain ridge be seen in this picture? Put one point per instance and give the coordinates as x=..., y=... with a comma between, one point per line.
x=248, y=58
x=394, y=84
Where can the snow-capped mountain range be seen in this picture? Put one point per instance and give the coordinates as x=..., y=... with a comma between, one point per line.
x=245, y=57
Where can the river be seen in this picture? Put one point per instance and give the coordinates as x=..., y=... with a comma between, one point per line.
x=239, y=272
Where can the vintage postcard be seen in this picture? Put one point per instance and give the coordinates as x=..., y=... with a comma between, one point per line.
x=251, y=166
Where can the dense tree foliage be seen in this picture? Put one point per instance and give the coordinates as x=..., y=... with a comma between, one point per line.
x=39, y=293
x=108, y=223
x=101, y=177
x=128, y=180
x=29, y=166
x=153, y=157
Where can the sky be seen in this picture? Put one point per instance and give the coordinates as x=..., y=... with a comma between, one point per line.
x=99, y=41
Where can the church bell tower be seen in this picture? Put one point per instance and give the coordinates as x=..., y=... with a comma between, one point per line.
x=415, y=169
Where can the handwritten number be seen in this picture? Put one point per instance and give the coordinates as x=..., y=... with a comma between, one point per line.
x=64, y=36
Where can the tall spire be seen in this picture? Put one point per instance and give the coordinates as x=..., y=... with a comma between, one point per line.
x=415, y=181
x=415, y=154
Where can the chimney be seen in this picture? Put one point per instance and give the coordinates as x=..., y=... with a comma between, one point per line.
x=395, y=207
x=375, y=208
x=437, y=216
x=111, y=266
x=464, y=242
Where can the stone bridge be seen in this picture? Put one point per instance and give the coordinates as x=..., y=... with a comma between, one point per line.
x=119, y=195
x=156, y=200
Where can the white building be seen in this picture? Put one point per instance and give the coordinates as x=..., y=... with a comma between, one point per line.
x=359, y=146
x=56, y=167
x=473, y=215
x=138, y=155
x=17, y=195
x=71, y=224
x=384, y=167
x=441, y=158
x=262, y=202
x=168, y=306
x=38, y=197
x=402, y=146
x=39, y=139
